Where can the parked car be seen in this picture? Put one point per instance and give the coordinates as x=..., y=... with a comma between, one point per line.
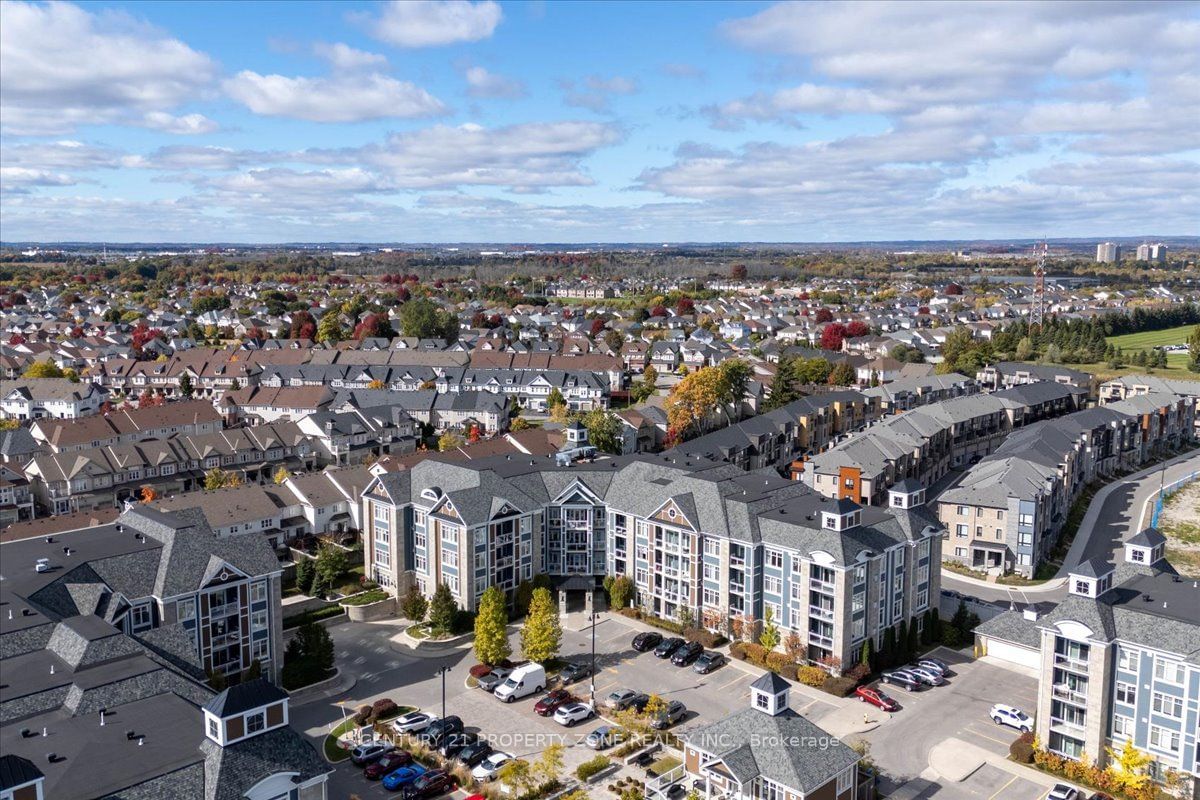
x=455, y=742
x=902, y=678
x=473, y=753
x=934, y=663
x=603, y=737
x=440, y=729
x=494, y=678
x=574, y=671
x=876, y=697
x=524, y=681
x=412, y=722
x=687, y=654
x=366, y=753
x=1101, y=796
x=927, y=676
x=396, y=780
x=639, y=702
x=552, y=701
x=667, y=647
x=647, y=640
x=1012, y=717
x=620, y=699
x=707, y=662
x=390, y=762
x=674, y=712
x=487, y=769
x=571, y=713
x=432, y=783
x=1062, y=791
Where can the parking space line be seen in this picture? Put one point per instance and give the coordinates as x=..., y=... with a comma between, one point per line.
x=1000, y=791
x=969, y=729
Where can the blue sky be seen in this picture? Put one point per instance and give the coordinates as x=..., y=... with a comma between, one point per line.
x=544, y=121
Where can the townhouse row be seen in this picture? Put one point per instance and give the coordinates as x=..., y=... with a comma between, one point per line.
x=702, y=541
x=1006, y=512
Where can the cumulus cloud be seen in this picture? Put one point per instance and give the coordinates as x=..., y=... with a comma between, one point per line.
x=596, y=92
x=342, y=56
x=481, y=83
x=336, y=98
x=432, y=23
x=185, y=124
x=64, y=66
x=20, y=179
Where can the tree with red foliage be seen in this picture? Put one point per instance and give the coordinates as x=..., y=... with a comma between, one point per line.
x=803, y=295
x=738, y=272
x=685, y=306
x=148, y=399
x=303, y=326
x=857, y=328
x=473, y=434
x=106, y=408
x=16, y=339
x=659, y=311
x=954, y=289
x=402, y=294
x=832, y=336
x=257, y=334
x=141, y=335
x=494, y=321
x=77, y=332
x=923, y=310
x=597, y=327
x=478, y=319
x=374, y=325
x=824, y=315
x=568, y=313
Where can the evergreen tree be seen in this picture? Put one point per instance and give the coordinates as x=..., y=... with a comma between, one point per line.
x=783, y=390
x=414, y=606
x=541, y=635
x=914, y=639
x=887, y=653
x=305, y=569
x=491, y=636
x=442, y=611
x=770, y=633
x=902, y=641
x=185, y=386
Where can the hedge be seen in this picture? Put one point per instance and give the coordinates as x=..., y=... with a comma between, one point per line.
x=811, y=676
x=839, y=687
x=324, y=612
x=705, y=637
x=1021, y=750
x=592, y=767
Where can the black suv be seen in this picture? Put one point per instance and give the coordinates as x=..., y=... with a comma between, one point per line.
x=668, y=646
x=647, y=640
x=453, y=743
x=439, y=729
x=687, y=654
x=473, y=753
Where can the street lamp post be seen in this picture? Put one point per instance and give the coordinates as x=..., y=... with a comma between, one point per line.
x=592, y=619
x=443, y=672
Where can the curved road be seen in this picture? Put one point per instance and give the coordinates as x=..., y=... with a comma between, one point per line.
x=1118, y=511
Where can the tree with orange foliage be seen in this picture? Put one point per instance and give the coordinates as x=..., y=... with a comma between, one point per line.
x=148, y=495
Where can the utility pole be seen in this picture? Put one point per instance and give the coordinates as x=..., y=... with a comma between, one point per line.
x=443, y=672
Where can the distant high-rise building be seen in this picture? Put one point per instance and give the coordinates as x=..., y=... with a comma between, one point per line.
x=1151, y=252
x=1108, y=253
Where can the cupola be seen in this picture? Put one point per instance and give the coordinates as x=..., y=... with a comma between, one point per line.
x=1091, y=578
x=841, y=515
x=577, y=434
x=769, y=694
x=245, y=710
x=1146, y=548
x=908, y=493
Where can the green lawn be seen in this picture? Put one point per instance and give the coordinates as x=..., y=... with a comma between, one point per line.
x=1176, y=368
x=1145, y=340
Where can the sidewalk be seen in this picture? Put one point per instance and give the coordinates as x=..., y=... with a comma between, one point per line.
x=1048, y=586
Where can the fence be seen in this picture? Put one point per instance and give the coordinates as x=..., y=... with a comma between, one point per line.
x=1165, y=492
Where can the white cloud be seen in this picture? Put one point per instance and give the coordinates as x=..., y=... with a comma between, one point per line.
x=61, y=154
x=187, y=157
x=481, y=83
x=21, y=179
x=185, y=124
x=596, y=93
x=337, y=98
x=432, y=23
x=65, y=67
x=342, y=56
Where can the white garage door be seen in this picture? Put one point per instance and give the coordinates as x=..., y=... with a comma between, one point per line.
x=1015, y=653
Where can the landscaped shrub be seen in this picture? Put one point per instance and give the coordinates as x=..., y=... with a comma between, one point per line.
x=789, y=671
x=1021, y=750
x=738, y=650
x=362, y=714
x=479, y=670
x=811, y=676
x=705, y=637
x=858, y=673
x=777, y=661
x=592, y=767
x=756, y=654
x=951, y=636
x=840, y=686
x=382, y=709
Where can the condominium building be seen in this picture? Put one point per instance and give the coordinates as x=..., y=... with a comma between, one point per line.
x=163, y=578
x=1117, y=660
x=701, y=540
x=1156, y=253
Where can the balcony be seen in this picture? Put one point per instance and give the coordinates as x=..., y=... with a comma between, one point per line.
x=820, y=586
x=820, y=612
x=820, y=641
x=1072, y=728
x=218, y=611
x=1070, y=662
x=1062, y=692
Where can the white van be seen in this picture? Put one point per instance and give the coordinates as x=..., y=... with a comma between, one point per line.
x=523, y=681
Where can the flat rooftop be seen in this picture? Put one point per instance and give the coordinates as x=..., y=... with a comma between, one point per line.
x=1162, y=595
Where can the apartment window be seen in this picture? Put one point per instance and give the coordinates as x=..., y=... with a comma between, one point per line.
x=449, y=558
x=962, y=511
x=258, y=620
x=1167, y=705
x=258, y=591
x=419, y=540
x=255, y=722
x=712, y=547
x=1127, y=659
x=141, y=618
x=1126, y=693
x=772, y=584
x=420, y=564
x=640, y=576
x=710, y=572
x=711, y=598
x=1025, y=520
x=960, y=551
x=1169, y=671
x=1023, y=539
x=186, y=609
x=1122, y=726
x=213, y=730
x=1164, y=739
x=775, y=559
x=260, y=650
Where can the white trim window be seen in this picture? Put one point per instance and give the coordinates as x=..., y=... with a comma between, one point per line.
x=1127, y=659
x=1164, y=739
x=185, y=609
x=255, y=722
x=1169, y=671
x=1167, y=705
x=258, y=621
x=1122, y=726
x=260, y=650
x=258, y=591
x=1126, y=693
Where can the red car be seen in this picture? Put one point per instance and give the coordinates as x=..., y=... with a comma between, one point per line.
x=876, y=697
x=550, y=703
x=432, y=783
x=394, y=760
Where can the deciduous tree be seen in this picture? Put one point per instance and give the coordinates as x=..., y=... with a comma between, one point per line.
x=541, y=635
x=491, y=621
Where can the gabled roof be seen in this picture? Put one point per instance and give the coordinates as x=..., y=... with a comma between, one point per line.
x=244, y=697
